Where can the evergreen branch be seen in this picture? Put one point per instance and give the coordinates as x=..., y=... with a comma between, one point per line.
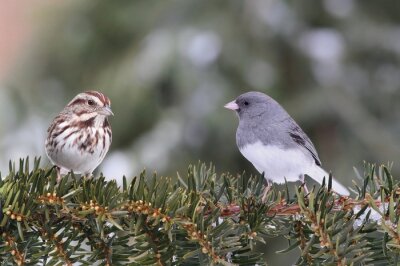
x=202, y=219
x=12, y=247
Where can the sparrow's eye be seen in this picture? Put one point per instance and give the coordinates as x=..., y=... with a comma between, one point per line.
x=246, y=103
x=90, y=102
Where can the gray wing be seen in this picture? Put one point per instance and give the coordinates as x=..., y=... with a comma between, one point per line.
x=283, y=131
x=298, y=136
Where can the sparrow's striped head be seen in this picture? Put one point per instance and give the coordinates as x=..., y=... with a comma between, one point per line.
x=90, y=102
x=100, y=96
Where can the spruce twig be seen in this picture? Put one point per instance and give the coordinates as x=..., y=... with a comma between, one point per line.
x=203, y=218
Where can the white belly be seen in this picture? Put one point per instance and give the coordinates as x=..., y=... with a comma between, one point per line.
x=71, y=157
x=278, y=164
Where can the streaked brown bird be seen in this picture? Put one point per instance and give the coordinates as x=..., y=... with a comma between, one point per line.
x=80, y=135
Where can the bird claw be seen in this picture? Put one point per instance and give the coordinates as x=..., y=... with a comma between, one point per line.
x=87, y=176
x=265, y=192
x=58, y=174
x=305, y=188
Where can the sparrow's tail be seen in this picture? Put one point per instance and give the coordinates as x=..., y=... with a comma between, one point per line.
x=319, y=174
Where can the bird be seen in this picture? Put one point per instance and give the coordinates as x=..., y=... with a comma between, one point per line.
x=274, y=143
x=80, y=135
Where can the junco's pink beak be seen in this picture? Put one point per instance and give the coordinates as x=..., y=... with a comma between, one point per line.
x=232, y=105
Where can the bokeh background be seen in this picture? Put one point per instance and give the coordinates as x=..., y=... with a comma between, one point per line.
x=170, y=66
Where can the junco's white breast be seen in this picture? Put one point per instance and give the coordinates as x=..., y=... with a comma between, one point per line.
x=277, y=163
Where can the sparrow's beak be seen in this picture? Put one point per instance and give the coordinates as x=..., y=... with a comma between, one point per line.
x=232, y=105
x=106, y=110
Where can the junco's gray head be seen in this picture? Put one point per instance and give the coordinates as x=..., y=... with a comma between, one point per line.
x=254, y=104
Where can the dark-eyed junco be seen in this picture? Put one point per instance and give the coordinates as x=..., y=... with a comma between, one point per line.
x=272, y=141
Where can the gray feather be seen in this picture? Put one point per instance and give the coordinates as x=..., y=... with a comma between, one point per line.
x=298, y=136
x=285, y=150
x=265, y=120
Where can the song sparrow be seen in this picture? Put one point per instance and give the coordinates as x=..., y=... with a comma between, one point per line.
x=79, y=136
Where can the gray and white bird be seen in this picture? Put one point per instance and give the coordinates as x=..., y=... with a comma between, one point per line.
x=274, y=143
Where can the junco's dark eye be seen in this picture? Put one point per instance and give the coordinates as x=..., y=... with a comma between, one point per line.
x=90, y=102
x=246, y=103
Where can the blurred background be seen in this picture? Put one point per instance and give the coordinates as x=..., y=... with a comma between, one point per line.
x=170, y=66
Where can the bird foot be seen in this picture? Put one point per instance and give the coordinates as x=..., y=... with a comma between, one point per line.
x=87, y=176
x=305, y=188
x=303, y=184
x=265, y=192
x=58, y=174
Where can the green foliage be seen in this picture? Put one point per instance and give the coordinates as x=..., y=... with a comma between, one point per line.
x=200, y=219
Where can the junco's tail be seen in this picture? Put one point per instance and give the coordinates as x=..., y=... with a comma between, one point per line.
x=319, y=175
